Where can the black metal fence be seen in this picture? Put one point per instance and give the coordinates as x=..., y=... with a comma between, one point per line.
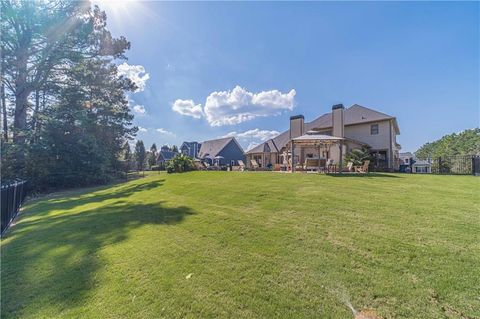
x=12, y=197
x=457, y=165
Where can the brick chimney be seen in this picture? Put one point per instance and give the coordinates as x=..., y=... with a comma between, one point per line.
x=297, y=126
x=338, y=120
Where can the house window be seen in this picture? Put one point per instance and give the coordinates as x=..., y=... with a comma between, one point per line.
x=374, y=129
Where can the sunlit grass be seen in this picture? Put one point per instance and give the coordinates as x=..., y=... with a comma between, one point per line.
x=248, y=245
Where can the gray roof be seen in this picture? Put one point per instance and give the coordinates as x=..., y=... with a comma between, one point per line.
x=166, y=155
x=355, y=114
x=406, y=154
x=213, y=147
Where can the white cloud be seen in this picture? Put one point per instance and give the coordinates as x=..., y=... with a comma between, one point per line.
x=258, y=134
x=164, y=131
x=142, y=129
x=239, y=105
x=140, y=109
x=136, y=73
x=188, y=108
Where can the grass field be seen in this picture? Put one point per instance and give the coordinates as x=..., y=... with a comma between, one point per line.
x=248, y=245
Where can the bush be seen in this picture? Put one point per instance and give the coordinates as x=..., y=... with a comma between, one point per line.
x=180, y=163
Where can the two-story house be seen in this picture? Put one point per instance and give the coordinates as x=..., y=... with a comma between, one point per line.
x=338, y=132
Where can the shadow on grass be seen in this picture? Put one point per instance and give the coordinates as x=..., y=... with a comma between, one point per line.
x=367, y=175
x=51, y=263
x=71, y=199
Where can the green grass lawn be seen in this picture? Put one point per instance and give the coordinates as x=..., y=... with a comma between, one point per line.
x=248, y=245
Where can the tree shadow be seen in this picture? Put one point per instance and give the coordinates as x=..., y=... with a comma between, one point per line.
x=72, y=199
x=52, y=261
x=367, y=175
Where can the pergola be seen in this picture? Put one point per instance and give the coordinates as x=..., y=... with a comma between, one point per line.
x=319, y=142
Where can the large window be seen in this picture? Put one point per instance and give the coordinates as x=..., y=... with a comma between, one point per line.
x=374, y=129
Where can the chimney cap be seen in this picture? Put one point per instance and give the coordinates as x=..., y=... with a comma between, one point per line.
x=297, y=117
x=338, y=106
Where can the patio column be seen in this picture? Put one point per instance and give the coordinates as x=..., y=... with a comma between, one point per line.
x=318, y=150
x=341, y=156
x=293, y=157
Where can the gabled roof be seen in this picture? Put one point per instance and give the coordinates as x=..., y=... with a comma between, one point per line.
x=265, y=147
x=213, y=147
x=355, y=114
x=188, y=144
x=166, y=155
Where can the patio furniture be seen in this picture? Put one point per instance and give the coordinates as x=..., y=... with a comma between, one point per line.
x=254, y=163
x=349, y=167
x=242, y=165
x=312, y=164
x=363, y=168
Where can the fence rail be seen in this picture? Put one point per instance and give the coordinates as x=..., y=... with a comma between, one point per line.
x=12, y=197
x=457, y=165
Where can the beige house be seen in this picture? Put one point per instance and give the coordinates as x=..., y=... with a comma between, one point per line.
x=330, y=137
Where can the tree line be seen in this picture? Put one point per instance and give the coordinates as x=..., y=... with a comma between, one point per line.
x=466, y=142
x=142, y=159
x=65, y=114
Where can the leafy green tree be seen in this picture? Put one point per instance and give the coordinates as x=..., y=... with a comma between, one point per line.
x=357, y=156
x=140, y=155
x=34, y=55
x=464, y=143
x=78, y=117
x=152, y=156
x=180, y=163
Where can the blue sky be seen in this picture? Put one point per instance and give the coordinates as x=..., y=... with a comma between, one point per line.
x=416, y=61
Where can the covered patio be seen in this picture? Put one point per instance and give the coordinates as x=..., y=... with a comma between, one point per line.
x=314, y=151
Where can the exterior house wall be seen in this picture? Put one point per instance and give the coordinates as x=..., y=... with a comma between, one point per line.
x=385, y=140
x=361, y=132
x=231, y=152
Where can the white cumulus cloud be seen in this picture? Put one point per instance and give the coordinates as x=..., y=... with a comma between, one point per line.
x=164, y=131
x=136, y=73
x=142, y=129
x=258, y=134
x=239, y=105
x=188, y=108
x=140, y=109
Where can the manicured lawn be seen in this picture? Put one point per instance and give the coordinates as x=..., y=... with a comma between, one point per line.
x=248, y=245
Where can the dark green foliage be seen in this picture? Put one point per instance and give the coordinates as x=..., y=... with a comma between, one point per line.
x=180, y=163
x=80, y=120
x=152, y=156
x=175, y=148
x=357, y=156
x=140, y=155
x=464, y=143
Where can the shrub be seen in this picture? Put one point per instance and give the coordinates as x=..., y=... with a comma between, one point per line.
x=357, y=156
x=180, y=163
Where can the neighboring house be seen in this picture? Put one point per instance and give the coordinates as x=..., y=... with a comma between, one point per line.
x=421, y=166
x=164, y=156
x=331, y=136
x=190, y=149
x=406, y=160
x=223, y=151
